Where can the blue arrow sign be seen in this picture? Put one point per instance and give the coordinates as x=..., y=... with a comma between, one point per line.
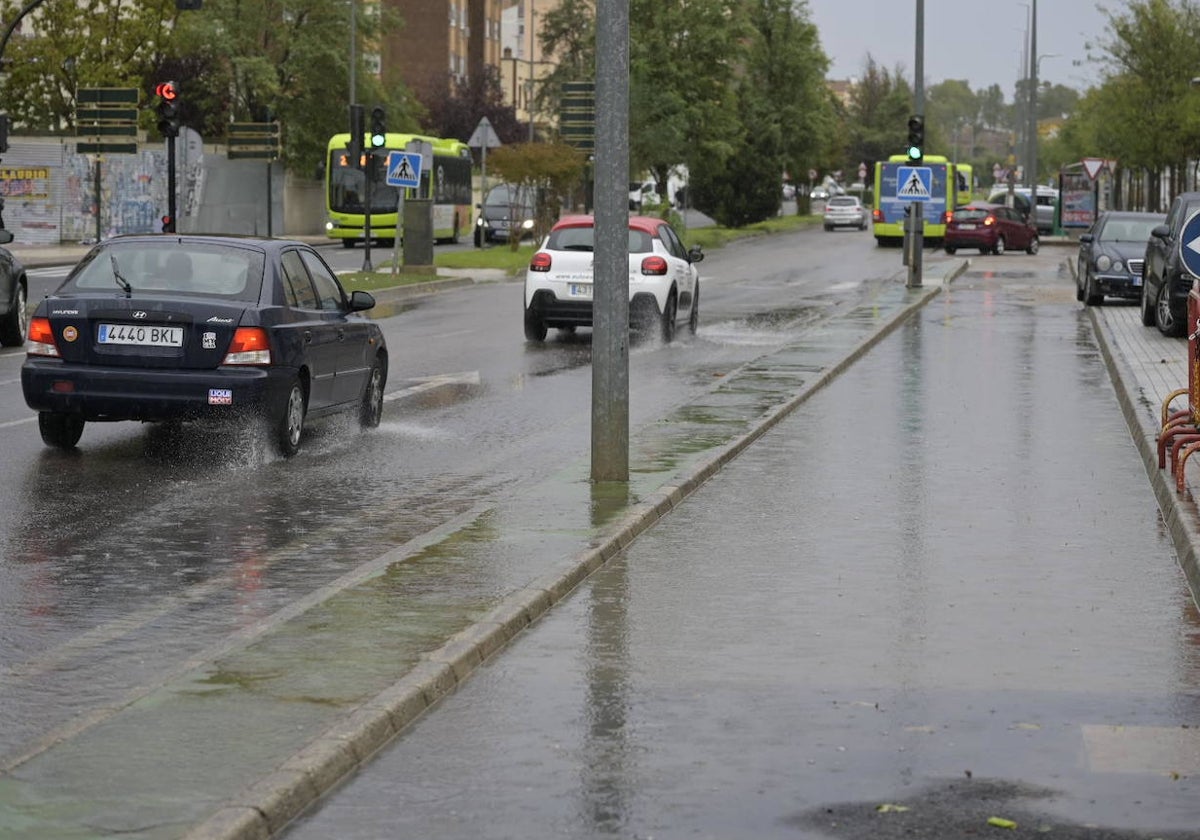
x=914, y=183
x=1189, y=244
x=403, y=169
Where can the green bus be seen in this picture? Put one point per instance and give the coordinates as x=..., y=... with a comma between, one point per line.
x=951, y=187
x=447, y=182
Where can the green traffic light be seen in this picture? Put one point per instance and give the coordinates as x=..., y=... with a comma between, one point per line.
x=914, y=153
x=377, y=140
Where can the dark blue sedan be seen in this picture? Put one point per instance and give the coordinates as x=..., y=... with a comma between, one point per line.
x=178, y=328
x=1111, y=256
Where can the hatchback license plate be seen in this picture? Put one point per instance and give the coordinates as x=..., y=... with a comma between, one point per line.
x=140, y=335
x=966, y=227
x=580, y=290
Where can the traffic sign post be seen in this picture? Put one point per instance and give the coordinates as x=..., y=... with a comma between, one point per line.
x=403, y=171
x=1189, y=254
x=483, y=138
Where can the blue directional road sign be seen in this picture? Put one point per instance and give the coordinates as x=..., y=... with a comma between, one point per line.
x=914, y=183
x=403, y=169
x=1189, y=244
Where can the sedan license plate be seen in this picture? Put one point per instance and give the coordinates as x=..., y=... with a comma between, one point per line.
x=583, y=290
x=140, y=335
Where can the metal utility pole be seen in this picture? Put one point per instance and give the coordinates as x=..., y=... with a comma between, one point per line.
x=1031, y=161
x=610, y=296
x=916, y=219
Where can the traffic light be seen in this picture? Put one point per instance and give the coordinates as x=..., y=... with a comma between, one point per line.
x=916, y=138
x=354, y=148
x=168, y=108
x=378, y=127
x=168, y=224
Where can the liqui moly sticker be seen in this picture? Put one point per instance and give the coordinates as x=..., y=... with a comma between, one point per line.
x=220, y=396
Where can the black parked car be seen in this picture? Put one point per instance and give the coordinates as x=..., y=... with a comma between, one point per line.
x=1165, y=282
x=173, y=328
x=14, y=290
x=1111, y=255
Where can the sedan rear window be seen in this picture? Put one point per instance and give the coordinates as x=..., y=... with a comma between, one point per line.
x=584, y=239
x=173, y=267
x=971, y=214
x=842, y=202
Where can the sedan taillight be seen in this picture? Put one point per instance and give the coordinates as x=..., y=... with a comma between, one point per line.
x=41, y=338
x=655, y=265
x=540, y=262
x=249, y=346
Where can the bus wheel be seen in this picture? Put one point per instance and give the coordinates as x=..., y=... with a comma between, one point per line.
x=347, y=243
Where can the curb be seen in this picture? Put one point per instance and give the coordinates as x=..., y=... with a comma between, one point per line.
x=267, y=806
x=1179, y=512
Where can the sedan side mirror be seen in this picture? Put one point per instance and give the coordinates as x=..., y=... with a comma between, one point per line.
x=360, y=300
x=1161, y=231
x=1086, y=238
x=6, y=236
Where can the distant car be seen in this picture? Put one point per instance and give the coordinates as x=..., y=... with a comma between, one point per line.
x=1042, y=215
x=818, y=194
x=1111, y=255
x=507, y=211
x=177, y=328
x=664, y=285
x=1165, y=281
x=992, y=228
x=789, y=191
x=845, y=211
x=14, y=296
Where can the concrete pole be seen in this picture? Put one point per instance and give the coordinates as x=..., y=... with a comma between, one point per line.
x=916, y=258
x=1031, y=171
x=610, y=297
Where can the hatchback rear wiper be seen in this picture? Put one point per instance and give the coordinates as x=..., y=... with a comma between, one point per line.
x=121, y=281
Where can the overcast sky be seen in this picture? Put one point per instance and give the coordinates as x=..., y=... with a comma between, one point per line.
x=959, y=41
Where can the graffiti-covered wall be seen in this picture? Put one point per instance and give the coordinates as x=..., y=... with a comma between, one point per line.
x=50, y=193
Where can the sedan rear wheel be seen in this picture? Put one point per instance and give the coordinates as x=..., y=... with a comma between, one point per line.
x=667, y=331
x=61, y=431
x=535, y=327
x=372, y=404
x=15, y=325
x=290, y=425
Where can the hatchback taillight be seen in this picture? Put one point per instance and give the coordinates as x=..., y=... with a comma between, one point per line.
x=41, y=338
x=654, y=265
x=249, y=346
x=540, y=262
x=990, y=220
x=947, y=216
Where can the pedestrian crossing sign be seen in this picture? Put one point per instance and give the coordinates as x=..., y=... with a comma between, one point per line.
x=403, y=169
x=914, y=183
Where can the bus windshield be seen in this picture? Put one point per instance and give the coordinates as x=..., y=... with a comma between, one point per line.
x=347, y=188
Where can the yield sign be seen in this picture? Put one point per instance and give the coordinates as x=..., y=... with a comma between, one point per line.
x=1092, y=166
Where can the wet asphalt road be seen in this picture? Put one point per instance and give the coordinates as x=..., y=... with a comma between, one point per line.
x=939, y=592
x=125, y=563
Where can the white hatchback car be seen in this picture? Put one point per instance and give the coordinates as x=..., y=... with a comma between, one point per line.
x=664, y=285
x=845, y=211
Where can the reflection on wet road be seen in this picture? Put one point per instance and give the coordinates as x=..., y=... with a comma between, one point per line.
x=126, y=562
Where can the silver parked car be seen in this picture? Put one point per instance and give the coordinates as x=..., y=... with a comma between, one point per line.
x=845, y=211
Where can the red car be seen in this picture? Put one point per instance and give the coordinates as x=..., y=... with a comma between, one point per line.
x=992, y=228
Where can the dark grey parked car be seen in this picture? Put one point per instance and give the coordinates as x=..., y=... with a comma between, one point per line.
x=14, y=291
x=1111, y=255
x=1165, y=282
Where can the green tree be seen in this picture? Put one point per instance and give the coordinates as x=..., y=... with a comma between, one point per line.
x=877, y=116
x=549, y=171
x=99, y=43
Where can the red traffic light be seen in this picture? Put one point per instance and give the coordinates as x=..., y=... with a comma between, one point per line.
x=167, y=90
